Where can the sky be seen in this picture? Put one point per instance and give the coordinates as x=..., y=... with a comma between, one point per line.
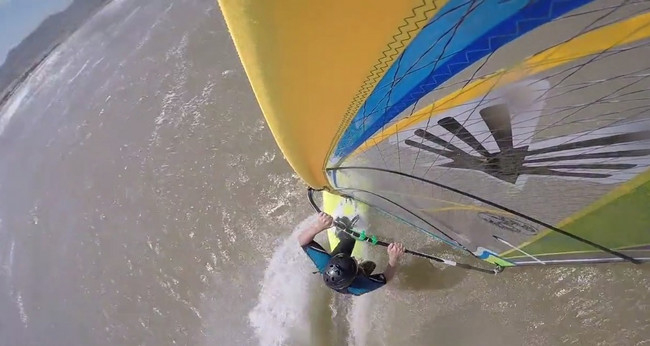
x=18, y=18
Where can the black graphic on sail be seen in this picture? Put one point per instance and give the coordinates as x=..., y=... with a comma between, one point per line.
x=508, y=223
x=509, y=162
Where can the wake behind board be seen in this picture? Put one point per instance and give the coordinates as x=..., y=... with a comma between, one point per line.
x=338, y=206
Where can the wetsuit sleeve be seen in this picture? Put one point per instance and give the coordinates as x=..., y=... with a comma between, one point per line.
x=317, y=254
x=365, y=284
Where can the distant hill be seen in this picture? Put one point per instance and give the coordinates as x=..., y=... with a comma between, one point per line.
x=26, y=56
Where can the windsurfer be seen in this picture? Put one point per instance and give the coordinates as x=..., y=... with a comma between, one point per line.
x=340, y=271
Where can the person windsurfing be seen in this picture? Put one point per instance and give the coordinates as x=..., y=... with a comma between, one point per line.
x=340, y=270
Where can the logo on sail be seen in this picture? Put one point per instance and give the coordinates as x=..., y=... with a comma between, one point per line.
x=598, y=154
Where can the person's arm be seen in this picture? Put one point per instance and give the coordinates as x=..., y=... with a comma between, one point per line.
x=375, y=281
x=395, y=251
x=323, y=222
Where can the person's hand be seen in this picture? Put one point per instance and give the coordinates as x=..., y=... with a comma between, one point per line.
x=324, y=221
x=395, y=251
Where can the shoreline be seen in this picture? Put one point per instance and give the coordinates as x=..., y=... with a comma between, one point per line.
x=17, y=83
x=12, y=88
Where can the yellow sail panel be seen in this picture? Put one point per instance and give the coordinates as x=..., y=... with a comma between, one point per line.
x=308, y=61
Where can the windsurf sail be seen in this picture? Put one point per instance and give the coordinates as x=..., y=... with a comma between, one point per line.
x=517, y=130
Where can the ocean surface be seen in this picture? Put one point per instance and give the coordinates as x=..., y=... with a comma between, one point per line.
x=143, y=201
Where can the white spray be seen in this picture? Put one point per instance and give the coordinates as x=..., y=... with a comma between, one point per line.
x=359, y=319
x=282, y=312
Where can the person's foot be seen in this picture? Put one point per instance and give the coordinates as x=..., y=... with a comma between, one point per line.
x=342, y=235
x=367, y=267
x=344, y=221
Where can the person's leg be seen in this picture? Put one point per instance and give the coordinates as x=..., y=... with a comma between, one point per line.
x=346, y=244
